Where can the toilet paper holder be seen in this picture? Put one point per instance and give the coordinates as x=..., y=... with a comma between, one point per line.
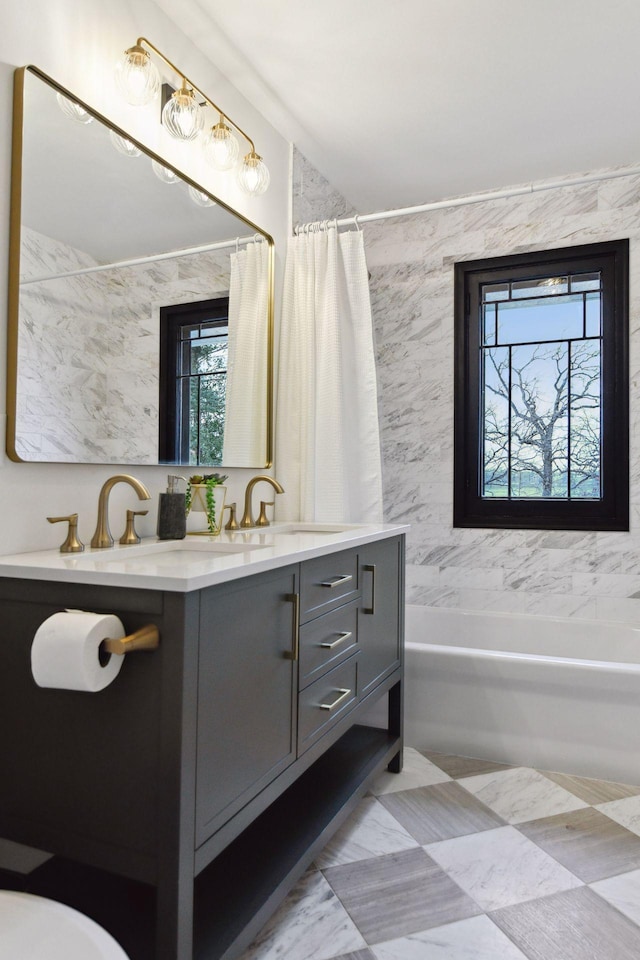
x=146, y=638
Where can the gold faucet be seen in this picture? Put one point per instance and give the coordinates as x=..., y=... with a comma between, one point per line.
x=247, y=518
x=102, y=537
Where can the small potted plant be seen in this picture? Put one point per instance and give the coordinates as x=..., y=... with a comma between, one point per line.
x=206, y=494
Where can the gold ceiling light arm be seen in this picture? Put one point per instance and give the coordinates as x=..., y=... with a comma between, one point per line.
x=140, y=44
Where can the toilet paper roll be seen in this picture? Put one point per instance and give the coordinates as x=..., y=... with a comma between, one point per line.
x=65, y=651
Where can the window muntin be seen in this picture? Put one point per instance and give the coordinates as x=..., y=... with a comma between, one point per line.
x=541, y=403
x=541, y=370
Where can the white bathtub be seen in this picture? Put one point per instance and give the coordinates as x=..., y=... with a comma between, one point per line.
x=557, y=694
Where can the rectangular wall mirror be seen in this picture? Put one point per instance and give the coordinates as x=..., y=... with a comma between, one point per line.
x=140, y=310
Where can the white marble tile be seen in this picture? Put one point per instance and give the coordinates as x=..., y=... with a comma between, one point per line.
x=521, y=794
x=417, y=771
x=370, y=831
x=500, y=867
x=477, y=938
x=622, y=892
x=625, y=812
x=311, y=924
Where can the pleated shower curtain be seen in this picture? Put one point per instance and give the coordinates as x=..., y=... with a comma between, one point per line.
x=327, y=433
x=245, y=433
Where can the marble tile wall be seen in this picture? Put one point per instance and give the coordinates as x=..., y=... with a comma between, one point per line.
x=313, y=196
x=89, y=349
x=553, y=573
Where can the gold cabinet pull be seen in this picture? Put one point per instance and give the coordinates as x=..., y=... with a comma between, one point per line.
x=146, y=638
x=293, y=654
x=336, y=643
x=343, y=693
x=337, y=581
x=371, y=568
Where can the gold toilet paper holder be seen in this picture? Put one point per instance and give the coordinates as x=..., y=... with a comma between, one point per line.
x=146, y=638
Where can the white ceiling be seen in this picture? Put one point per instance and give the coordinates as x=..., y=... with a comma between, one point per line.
x=400, y=102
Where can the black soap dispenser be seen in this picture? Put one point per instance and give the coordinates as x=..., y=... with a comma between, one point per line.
x=172, y=512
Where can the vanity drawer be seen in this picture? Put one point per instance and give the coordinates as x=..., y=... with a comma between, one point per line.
x=327, y=582
x=322, y=703
x=327, y=641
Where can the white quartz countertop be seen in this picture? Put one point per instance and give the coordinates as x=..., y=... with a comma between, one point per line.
x=196, y=561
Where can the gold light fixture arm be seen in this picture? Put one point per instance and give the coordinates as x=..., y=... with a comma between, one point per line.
x=143, y=40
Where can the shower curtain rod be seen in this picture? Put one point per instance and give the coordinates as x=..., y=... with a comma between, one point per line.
x=481, y=197
x=137, y=261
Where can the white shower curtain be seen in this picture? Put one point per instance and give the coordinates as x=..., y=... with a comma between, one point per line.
x=327, y=434
x=245, y=433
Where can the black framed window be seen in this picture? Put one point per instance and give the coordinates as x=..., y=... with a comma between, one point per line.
x=541, y=390
x=193, y=380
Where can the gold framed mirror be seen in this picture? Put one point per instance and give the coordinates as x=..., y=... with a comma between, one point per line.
x=107, y=241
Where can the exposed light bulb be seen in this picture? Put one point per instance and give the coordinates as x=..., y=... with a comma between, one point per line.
x=182, y=115
x=124, y=146
x=202, y=199
x=163, y=173
x=73, y=110
x=221, y=148
x=253, y=175
x=137, y=77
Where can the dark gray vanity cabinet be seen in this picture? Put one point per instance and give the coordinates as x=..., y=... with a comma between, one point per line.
x=184, y=800
x=247, y=690
x=379, y=627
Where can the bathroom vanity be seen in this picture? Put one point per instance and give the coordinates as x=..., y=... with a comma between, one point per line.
x=184, y=800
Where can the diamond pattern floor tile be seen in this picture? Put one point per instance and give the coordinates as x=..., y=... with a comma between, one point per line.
x=440, y=812
x=462, y=859
x=575, y=925
x=399, y=894
x=586, y=842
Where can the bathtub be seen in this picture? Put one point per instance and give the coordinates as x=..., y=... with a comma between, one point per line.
x=552, y=693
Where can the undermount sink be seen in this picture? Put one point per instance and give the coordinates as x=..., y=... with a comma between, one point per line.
x=162, y=551
x=320, y=528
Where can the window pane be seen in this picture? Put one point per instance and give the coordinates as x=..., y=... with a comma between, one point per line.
x=586, y=407
x=547, y=287
x=495, y=423
x=593, y=314
x=194, y=419
x=539, y=421
x=212, y=408
x=489, y=326
x=585, y=281
x=208, y=356
x=540, y=320
x=495, y=291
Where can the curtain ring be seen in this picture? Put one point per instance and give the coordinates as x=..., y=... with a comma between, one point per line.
x=355, y=220
x=237, y=244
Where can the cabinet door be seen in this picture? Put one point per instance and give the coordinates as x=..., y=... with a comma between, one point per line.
x=379, y=615
x=246, y=701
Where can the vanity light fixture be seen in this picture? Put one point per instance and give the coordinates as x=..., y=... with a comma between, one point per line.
x=164, y=173
x=73, y=110
x=124, y=146
x=184, y=115
x=200, y=198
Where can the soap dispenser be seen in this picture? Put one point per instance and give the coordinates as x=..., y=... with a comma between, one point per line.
x=172, y=512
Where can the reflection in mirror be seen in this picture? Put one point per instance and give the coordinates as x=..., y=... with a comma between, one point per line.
x=107, y=242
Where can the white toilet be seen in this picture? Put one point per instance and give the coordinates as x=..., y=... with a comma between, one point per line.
x=33, y=928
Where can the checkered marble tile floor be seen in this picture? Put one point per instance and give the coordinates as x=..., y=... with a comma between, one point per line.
x=460, y=859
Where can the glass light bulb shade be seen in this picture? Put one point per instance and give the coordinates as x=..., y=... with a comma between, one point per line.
x=163, y=173
x=202, y=199
x=123, y=145
x=182, y=115
x=137, y=77
x=253, y=175
x=73, y=110
x=221, y=148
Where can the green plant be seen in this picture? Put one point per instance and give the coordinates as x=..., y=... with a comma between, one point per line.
x=210, y=481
